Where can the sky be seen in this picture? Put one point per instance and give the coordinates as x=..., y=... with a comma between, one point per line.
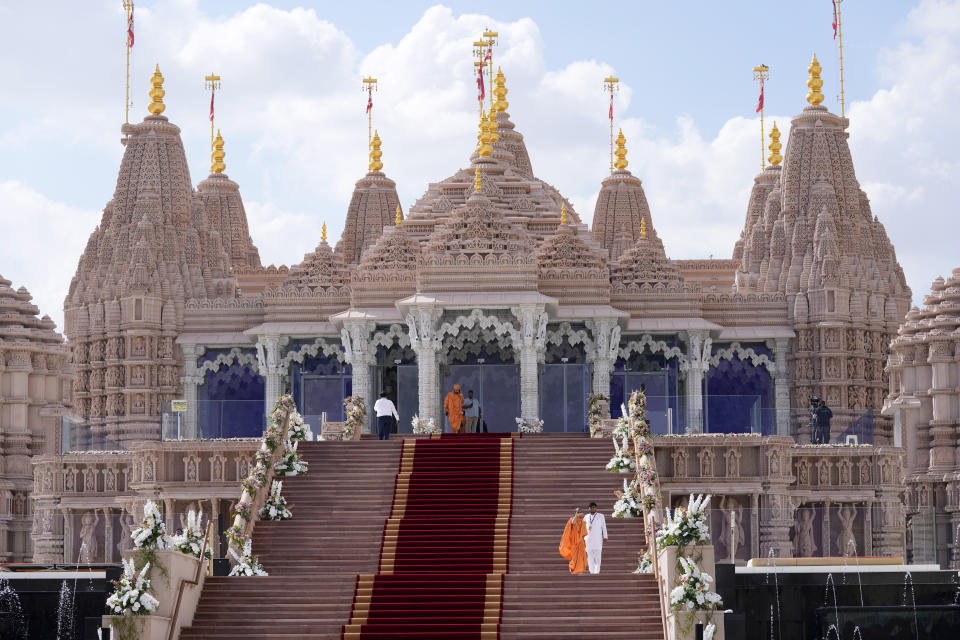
x=292, y=111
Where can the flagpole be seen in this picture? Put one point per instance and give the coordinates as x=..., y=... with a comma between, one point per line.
x=491, y=41
x=128, y=6
x=211, y=82
x=369, y=85
x=611, y=84
x=761, y=72
x=843, y=106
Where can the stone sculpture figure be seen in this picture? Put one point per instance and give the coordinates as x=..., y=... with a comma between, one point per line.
x=88, y=536
x=805, y=544
x=846, y=541
x=737, y=521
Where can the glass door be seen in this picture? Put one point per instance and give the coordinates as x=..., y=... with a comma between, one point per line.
x=496, y=387
x=563, y=396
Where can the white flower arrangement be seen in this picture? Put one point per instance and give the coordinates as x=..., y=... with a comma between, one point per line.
x=644, y=565
x=152, y=532
x=290, y=463
x=421, y=426
x=275, y=508
x=693, y=593
x=298, y=429
x=623, y=460
x=190, y=542
x=130, y=596
x=685, y=527
x=628, y=504
x=247, y=565
x=529, y=425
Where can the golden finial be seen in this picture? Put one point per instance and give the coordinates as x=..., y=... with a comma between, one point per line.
x=621, y=152
x=477, y=184
x=500, y=92
x=375, y=153
x=775, y=158
x=399, y=215
x=216, y=162
x=493, y=125
x=156, y=93
x=814, y=82
x=643, y=227
x=323, y=232
x=563, y=213
x=484, y=149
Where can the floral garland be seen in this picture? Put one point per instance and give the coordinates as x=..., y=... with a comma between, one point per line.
x=424, y=427
x=290, y=464
x=190, y=542
x=693, y=591
x=299, y=431
x=247, y=565
x=685, y=527
x=628, y=504
x=356, y=411
x=595, y=403
x=644, y=564
x=529, y=425
x=151, y=535
x=623, y=460
x=130, y=595
x=275, y=508
x=242, y=509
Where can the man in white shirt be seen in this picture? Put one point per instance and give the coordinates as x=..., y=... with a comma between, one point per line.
x=596, y=534
x=386, y=413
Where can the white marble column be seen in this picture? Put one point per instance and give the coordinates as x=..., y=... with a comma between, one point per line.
x=190, y=380
x=781, y=386
x=108, y=544
x=425, y=343
x=355, y=337
x=528, y=342
x=694, y=365
x=269, y=362
x=606, y=341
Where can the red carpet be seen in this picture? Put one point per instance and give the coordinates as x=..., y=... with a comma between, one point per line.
x=444, y=548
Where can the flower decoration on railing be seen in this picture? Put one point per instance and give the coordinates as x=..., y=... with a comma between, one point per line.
x=686, y=527
x=623, y=460
x=131, y=592
x=628, y=504
x=152, y=532
x=529, y=425
x=644, y=564
x=595, y=404
x=290, y=463
x=693, y=591
x=275, y=508
x=299, y=431
x=424, y=427
x=242, y=509
x=190, y=542
x=246, y=564
x=356, y=415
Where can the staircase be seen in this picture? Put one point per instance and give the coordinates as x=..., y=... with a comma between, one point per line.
x=349, y=540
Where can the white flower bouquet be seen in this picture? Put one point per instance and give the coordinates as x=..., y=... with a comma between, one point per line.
x=693, y=593
x=290, y=463
x=190, y=542
x=152, y=532
x=356, y=415
x=421, y=426
x=628, y=504
x=247, y=565
x=130, y=595
x=529, y=425
x=275, y=508
x=298, y=429
x=623, y=460
x=644, y=565
x=685, y=527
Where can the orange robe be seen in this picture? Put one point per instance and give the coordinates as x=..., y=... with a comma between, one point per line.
x=573, y=546
x=453, y=405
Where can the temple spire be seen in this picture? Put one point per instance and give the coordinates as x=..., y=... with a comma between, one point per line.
x=500, y=92
x=621, y=152
x=323, y=232
x=814, y=82
x=775, y=158
x=477, y=183
x=375, y=153
x=493, y=125
x=484, y=149
x=643, y=227
x=156, y=93
x=216, y=156
x=399, y=216
x=563, y=213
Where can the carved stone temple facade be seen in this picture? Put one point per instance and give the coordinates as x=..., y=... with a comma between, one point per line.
x=492, y=280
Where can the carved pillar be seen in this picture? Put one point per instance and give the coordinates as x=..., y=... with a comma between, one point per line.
x=215, y=519
x=825, y=529
x=168, y=513
x=108, y=543
x=868, y=528
x=527, y=343
x=606, y=340
x=67, y=536
x=781, y=386
x=355, y=337
x=755, y=525
x=191, y=380
x=425, y=344
x=269, y=362
x=695, y=365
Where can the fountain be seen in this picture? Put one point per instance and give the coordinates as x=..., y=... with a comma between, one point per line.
x=771, y=555
x=913, y=597
x=65, y=615
x=846, y=555
x=836, y=632
x=10, y=605
x=826, y=601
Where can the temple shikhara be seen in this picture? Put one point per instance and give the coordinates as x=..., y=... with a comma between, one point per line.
x=179, y=342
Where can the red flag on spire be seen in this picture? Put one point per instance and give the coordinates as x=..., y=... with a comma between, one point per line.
x=481, y=93
x=369, y=100
x=211, y=106
x=834, y=19
x=760, y=102
x=610, y=115
x=130, y=29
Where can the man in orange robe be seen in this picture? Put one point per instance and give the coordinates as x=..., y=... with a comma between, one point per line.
x=572, y=544
x=453, y=407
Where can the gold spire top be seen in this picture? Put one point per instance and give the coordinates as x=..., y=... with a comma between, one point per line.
x=621, y=152
x=323, y=232
x=643, y=227
x=775, y=158
x=375, y=153
x=216, y=157
x=814, y=82
x=477, y=184
x=156, y=93
x=500, y=92
x=399, y=216
x=563, y=213
x=493, y=125
x=484, y=149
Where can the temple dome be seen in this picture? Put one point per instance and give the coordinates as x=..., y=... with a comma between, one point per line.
x=572, y=269
x=387, y=270
x=372, y=208
x=319, y=269
x=225, y=214
x=620, y=210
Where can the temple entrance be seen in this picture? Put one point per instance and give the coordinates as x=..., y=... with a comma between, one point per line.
x=563, y=396
x=658, y=377
x=396, y=373
x=496, y=386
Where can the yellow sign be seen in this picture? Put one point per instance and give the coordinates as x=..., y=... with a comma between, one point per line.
x=178, y=406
